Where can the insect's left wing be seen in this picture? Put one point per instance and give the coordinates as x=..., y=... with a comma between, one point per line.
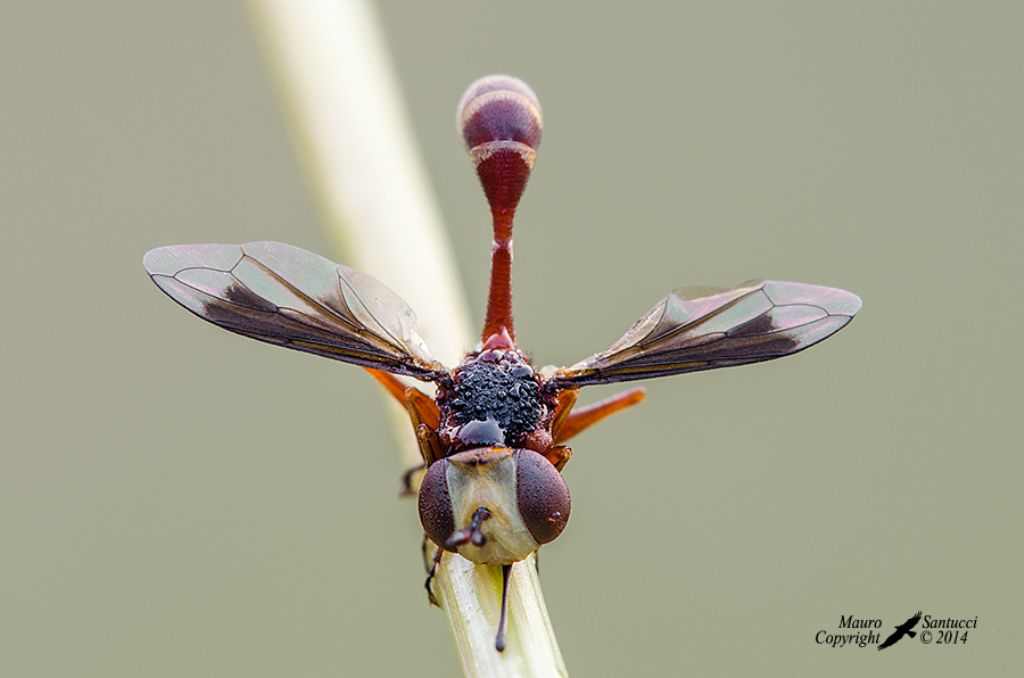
x=287, y=296
x=755, y=322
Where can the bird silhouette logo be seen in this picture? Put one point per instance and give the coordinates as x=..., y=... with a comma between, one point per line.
x=901, y=630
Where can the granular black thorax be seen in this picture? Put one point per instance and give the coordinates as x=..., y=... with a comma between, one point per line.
x=496, y=387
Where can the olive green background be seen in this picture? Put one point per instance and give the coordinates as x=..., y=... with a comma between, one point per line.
x=177, y=501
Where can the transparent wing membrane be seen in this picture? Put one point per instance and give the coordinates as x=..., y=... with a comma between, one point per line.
x=287, y=296
x=752, y=323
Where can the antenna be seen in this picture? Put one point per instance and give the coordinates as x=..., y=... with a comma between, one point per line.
x=499, y=118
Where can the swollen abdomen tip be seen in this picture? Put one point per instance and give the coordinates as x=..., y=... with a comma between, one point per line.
x=499, y=108
x=499, y=119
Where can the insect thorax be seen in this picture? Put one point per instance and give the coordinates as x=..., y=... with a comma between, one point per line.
x=493, y=398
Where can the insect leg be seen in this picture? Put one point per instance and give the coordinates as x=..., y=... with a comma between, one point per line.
x=421, y=407
x=469, y=534
x=430, y=450
x=499, y=639
x=587, y=416
x=566, y=401
x=407, y=487
x=430, y=444
x=559, y=456
x=431, y=572
x=409, y=397
x=423, y=553
x=425, y=420
x=390, y=382
x=422, y=411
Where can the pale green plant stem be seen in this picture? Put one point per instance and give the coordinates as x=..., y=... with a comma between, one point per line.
x=331, y=70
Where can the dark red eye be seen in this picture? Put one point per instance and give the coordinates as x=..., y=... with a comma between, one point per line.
x=542, y=496
x=436, y=503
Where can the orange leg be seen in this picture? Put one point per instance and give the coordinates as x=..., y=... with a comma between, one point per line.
x=559, y=456
x=430, y=444
x=425, y=419
x=566, y=400
x=390, y=382
x=587, y=416
x=422, y=407
x=409, y=397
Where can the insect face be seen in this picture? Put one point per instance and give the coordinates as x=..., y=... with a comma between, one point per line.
x=493, y=505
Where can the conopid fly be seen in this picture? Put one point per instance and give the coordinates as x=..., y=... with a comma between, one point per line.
x=493, y=438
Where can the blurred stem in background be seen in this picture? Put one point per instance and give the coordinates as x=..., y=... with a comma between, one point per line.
x=332, y=73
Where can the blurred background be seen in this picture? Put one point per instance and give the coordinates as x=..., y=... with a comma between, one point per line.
x=177, y=501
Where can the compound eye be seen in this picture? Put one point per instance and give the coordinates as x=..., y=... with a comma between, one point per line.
x=542, y=495
x=435, y=503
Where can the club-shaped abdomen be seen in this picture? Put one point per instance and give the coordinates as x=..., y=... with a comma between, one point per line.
x=499, y=108
x=525, y=499
x=499, y=119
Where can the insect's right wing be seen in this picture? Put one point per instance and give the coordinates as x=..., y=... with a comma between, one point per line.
x=287, y=296
x=755, y=322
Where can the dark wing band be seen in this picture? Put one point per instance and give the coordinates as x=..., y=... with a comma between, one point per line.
x=758, y=321
x=287, y=296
